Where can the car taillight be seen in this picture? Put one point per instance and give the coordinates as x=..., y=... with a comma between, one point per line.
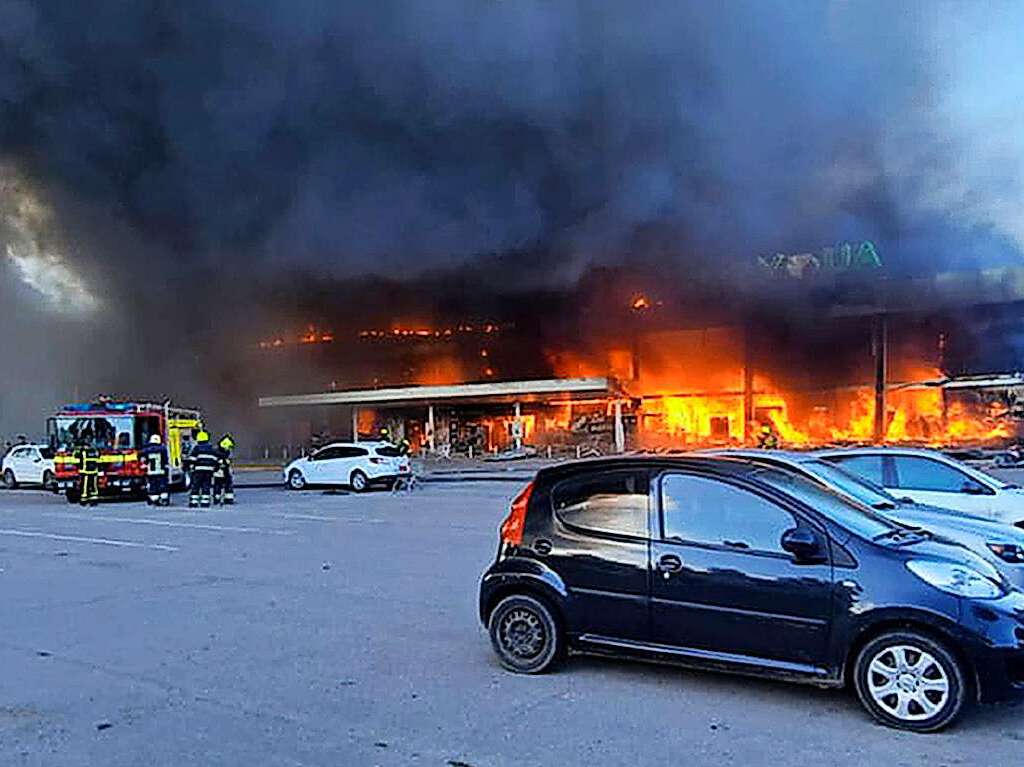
x=512, y=527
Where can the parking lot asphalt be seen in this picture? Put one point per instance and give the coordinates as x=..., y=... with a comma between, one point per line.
x=338, y=629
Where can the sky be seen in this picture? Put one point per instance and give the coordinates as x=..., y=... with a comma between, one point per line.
x=163, y=163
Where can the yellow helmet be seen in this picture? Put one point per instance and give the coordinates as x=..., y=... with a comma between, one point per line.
x=202, y=437
x=227, y=442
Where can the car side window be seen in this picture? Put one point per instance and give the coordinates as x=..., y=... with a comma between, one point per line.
x=327, y=454
x=614, y=502
x=715, y=513
x=915, y=473
x=353, y=452
x=867, y=466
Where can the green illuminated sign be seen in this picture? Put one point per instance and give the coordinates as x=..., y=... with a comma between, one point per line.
x=845, y=256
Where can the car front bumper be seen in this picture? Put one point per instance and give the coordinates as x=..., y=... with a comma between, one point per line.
x=995, y=646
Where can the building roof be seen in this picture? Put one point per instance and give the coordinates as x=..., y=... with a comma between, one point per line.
x=497, y=391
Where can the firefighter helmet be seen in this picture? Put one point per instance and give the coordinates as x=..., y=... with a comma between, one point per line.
x=202, y=437
x=227, y=442
x=155, y=439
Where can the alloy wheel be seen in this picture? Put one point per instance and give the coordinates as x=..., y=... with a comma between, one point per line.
x=907, y=682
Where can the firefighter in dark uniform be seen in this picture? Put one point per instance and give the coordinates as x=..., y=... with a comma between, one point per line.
x=767, y=439
x=223, y=483
x=158, y=465
x=88, y=458
x=204, y=461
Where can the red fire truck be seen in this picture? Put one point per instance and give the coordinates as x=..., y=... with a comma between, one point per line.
x=119, y=430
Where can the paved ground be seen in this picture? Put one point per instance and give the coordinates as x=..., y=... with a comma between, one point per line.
x=341, y=630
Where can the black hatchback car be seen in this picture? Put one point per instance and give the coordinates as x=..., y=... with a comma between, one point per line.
x=718, y=563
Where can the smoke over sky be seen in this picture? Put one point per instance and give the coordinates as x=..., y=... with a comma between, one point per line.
x=163, y=161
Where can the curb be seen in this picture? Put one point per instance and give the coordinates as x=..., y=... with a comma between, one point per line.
x=425, y=480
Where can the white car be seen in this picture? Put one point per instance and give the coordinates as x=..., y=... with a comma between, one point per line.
x=999, y=543
x=929, y=477
x=28, y=465
x=350, y=464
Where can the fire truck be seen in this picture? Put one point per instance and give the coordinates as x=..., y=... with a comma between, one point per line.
x=118, y=431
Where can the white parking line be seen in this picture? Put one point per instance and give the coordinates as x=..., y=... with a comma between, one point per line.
x=312, y=517
x=166, y=523
x=84, y=539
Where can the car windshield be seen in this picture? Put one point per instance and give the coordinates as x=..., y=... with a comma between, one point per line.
x=992, y=478
x=864, y=490
x=854, y=516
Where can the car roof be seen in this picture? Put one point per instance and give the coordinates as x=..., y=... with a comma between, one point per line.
x=877, y=449
x=780, y=456
x=710, y=463
x=360, y=443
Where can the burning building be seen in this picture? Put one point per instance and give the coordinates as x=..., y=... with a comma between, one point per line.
x=624, y=362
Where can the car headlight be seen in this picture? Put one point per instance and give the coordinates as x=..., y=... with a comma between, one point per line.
x=1008, y=552
x=961, y=580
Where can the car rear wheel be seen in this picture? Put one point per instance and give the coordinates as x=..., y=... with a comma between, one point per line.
x=358, y=481
x=9, y=481
x=910, y=681
x=296, y=480
x=525, y=634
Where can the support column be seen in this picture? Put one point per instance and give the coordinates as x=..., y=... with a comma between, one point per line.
x=880, y=348
x=355, y=423
x=517, y=428
x=748, y=384
x=431, y=442
x=620, y=429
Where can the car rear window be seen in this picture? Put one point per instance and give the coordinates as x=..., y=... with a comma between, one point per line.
x=613, y=503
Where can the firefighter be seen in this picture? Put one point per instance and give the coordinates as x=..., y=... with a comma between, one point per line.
x=158, y=464
x=223, y=483
x=204, y=462
x=88, y=458
x=767, y=439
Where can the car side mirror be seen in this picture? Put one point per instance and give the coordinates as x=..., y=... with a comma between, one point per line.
x=804, y=544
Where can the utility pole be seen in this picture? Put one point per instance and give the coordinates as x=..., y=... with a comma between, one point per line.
x=880, y=349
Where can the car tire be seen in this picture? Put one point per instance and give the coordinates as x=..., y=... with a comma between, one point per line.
x=73, y=496
x=48, y=479
x=296, y=480
x=525, y=635
x=9, y=480
x=358, y=481
x=910, y=681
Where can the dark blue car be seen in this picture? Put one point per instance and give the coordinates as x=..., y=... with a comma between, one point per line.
x=724, y=564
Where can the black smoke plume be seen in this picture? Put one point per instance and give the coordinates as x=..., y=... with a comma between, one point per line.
x=212, y=169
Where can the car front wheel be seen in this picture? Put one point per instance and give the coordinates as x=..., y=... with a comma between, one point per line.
x=9, y=481
x=48, y=479
x=910, y=681
x=296, y=481
x=524, y=634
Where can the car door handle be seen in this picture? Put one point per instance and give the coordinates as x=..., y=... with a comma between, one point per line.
x=736, y=544
x=670, y=563
x=542, y=546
